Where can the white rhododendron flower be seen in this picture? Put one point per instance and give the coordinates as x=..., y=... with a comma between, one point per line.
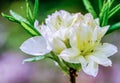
x=75, y=38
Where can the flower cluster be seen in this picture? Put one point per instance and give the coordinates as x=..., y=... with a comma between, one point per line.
x=74, y=38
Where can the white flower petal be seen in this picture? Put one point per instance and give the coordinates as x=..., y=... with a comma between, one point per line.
x=88, y=17
x=45, y=31
x=102, y=30
x=107, y=49
x=70, y=55
x=80, y=36
x=57, y=45
x=82, y=60
x=97, y=21
x=37, y=26
x=101, y=53
x=36, y=23
x=58, y=19
x=99, y=58
x=35, y=46
x=75, y=38
x=91, y=68
x=61, y=34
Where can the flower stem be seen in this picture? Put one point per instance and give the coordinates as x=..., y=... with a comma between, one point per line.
x=73, y=75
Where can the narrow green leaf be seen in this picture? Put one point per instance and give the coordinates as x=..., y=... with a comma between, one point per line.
x=100, y=2
x=29, y=11
x=18, y=17
x=33, y=59
x=89, y=8
x=36, y=6
x=114, y=10
x=113, y=27
x=104, y=14
x=112, y=1
x=9, y=17
x=109, y=2
x=27, y=27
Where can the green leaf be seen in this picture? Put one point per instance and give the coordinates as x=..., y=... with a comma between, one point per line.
x=111, y=2
x=29, y=12
x=104, y=14
x=89, y=8
x=18, y=17
x=100, y=2
x=28, y=28
x=113, y=27
x=35, y=8
x=23, y=22
x=10, y=18
x=114, y=10
x=33, y=59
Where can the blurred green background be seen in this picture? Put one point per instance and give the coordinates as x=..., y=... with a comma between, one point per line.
x=12, y=35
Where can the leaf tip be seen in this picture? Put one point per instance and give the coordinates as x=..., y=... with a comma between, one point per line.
x=2, y=14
